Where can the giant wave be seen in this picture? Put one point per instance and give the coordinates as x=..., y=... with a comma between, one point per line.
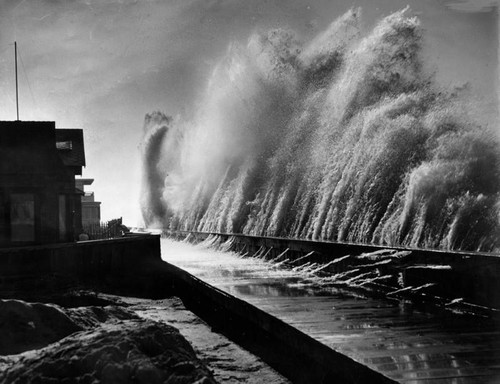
x=345, y=138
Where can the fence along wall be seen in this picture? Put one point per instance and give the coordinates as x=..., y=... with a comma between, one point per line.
x=104, y=229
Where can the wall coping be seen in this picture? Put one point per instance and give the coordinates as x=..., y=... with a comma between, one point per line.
x=78, y=244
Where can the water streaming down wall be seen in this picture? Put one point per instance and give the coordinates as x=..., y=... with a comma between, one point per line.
x=345, y=138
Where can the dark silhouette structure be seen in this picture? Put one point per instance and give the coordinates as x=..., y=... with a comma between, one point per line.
x=91, y=209
x=39, y=202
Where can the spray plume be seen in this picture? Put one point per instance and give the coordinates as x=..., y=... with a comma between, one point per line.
x=344, y=139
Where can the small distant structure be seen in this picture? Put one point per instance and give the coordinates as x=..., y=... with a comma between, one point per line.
x=39, y=202
x=91, y=209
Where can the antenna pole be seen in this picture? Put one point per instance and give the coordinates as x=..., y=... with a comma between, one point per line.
x=17, y=88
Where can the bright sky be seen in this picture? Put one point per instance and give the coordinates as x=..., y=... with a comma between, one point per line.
x=101, y=65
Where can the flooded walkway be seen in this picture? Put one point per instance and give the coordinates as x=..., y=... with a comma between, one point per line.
x=403, y=343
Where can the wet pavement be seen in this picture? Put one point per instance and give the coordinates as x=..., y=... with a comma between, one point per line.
x=390, y=336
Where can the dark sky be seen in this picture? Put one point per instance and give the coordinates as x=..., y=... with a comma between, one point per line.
x=101, y=65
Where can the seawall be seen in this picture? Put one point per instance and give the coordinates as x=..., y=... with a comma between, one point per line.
x=471, y=279
x=134, y=266
x=122, y=263
x=291, y=352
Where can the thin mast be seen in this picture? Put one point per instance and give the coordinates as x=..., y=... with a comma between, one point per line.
x=17, y=90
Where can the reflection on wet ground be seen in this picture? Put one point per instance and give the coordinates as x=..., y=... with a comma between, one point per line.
x=264, y=288
x=392, y=337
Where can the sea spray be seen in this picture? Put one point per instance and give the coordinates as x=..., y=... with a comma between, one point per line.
x=156, y=127
x=344, y=139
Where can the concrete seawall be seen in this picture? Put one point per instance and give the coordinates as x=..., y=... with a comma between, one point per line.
x=448, y=275
x=123, y=263
x=133, y=266
x=292, y=353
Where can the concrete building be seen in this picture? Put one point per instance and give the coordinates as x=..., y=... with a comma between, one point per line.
x=39, y=202
x=91, y=209
x=69, y=144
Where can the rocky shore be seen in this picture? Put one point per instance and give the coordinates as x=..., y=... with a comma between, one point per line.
x=88, y=337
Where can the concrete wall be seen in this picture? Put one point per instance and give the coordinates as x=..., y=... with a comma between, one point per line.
x=133, y=265
x=127, y=263
x=471, y=276
x=296, y=355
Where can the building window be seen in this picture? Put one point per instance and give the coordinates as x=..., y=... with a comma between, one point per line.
x=64, y=145
x=22, y=217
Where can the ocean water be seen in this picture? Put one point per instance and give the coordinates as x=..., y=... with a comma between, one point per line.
x=342, y=138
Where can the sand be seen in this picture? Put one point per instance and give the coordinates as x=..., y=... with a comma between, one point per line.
x=122, y=340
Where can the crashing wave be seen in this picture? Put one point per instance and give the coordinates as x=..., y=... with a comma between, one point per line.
x=345, y=138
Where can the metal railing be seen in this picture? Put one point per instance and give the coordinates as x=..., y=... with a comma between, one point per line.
x=105, y=229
